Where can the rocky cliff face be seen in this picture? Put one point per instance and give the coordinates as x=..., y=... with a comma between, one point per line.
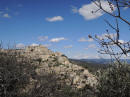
x=48, y=61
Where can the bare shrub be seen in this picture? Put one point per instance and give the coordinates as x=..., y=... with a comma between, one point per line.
x=115, y=82
x=14, y=74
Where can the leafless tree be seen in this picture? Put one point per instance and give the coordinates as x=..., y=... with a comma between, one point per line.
x=118, y=4
x=115, y=81
x=111, y=43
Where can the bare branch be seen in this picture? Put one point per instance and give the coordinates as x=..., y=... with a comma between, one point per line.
x=116, y=2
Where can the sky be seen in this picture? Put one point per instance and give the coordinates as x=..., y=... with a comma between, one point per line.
x=60, y=25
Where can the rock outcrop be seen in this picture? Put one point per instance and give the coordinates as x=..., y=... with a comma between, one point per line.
x=48, y=61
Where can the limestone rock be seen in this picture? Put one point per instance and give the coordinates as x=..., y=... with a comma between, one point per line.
x=48, y=61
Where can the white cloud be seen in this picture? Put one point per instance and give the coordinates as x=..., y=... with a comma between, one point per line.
x=111, y=35
x=121, y=41
x=125, y=8
x=86, y=10
x=42, y=38
x=68, y=46
x=34, y=44
x=106, y=35
x=85, y=40
x=54, y=19
x=82, y=39
x=20, y=45
x=57, y=39
x=92, y=46
x=90, y=40
x=6, y=15
x=85, y=56
x=80, y=56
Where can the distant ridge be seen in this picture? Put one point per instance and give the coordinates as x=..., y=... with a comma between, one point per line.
x=101, y=61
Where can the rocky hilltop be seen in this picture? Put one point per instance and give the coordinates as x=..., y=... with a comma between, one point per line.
x=48, y=61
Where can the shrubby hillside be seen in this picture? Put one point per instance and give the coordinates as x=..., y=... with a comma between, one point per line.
x=36, y=71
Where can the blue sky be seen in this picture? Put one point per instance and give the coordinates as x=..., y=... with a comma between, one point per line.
x=61, y=25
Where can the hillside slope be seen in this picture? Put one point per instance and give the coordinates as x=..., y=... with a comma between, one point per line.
x=48, y=61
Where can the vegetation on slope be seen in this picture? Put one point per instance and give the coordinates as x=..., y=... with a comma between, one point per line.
x=18, y=78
